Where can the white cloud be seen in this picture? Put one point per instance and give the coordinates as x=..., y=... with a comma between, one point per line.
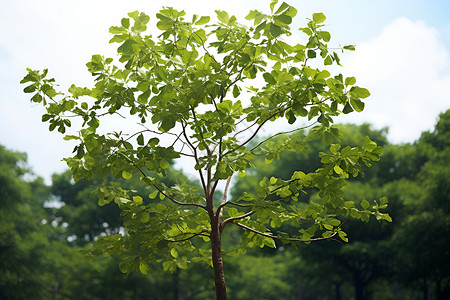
x=406, y=68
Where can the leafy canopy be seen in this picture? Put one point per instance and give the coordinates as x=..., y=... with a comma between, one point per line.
x=202, y=91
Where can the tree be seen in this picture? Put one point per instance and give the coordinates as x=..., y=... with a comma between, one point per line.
x=185, y=90
x=23, y=243
x=422, y=246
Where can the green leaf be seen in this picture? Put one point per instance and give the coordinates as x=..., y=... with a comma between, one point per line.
x=328, y=227
x=349, y=47
x=133, y=14
x=174, y=252
x=153, y=195
x=319, y=18
x=143, y=98
x=306, y=30
x=236, y=91
x=140, y=139
x=47, y=117
x=126, y=175
x=343, y=236
x=275, y=30
x=368, y=145
x=347, y=108
x=365, y=204
x=283, y=19
x=358, y=92
x=334, y=148
x=164, y=164
x=334, y=222
x=30, y=89
x=125, y=23
x=323, y=74
x=350, y=81
x=282, y=7
x=137, y=200
x=71, y=137
x=203, y=20
x=124, y=267
x=145, y=217
x=143, y=268
x=311, y=53
x=338, y=170
x=164, y=25
x=117, y=30
x=222, y=16
x=269, y=78
x=357, y=104
x=324, y=35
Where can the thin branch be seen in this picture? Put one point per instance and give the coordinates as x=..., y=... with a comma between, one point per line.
x=194, y=149
x=232, y=219
x=280, y=133
x=254, y=133
x=176, y=201
x=156, y=132
x=185, y=154
x=238, y=204
x=245, y=129
x=188, y=238
x=219, y=212
x=204, y=48
x=159, y=189
x=284, y=238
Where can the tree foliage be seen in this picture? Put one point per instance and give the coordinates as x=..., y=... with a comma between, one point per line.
x=202, y=91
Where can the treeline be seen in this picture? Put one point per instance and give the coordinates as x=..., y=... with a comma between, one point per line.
x=45, y=231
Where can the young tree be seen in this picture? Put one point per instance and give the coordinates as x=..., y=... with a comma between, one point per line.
x=185, y=88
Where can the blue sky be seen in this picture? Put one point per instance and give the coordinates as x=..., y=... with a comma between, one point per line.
x=402, y=56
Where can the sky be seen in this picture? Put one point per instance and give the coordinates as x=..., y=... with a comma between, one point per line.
x=402, y=56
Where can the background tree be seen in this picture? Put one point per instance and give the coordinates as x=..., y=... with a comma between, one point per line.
x=22, y=242
x=423, y=254
x=402, y=260
x=188, y=84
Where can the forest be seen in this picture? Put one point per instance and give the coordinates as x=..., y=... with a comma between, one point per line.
x=46, y=232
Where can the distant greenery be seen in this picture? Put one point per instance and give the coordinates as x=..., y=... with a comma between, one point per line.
x=407, y=259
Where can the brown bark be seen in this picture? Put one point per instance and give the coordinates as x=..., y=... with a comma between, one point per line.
x=55, y=290
x=216, y=247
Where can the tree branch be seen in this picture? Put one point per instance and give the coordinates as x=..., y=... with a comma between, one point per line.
x=238, y=204
x=194, y=149
x=232, y=219
x=219, y=212
x=280, y=133
x=202, y=233
x=284, y=238
x=256, y=131
x=158, y=188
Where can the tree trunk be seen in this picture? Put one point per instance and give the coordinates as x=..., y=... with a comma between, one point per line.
x=55, y=290
x=300, y=289
x=337, y=290
x=216, y=247
x=425, y=289
x=175, y=278
x=359, y=289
